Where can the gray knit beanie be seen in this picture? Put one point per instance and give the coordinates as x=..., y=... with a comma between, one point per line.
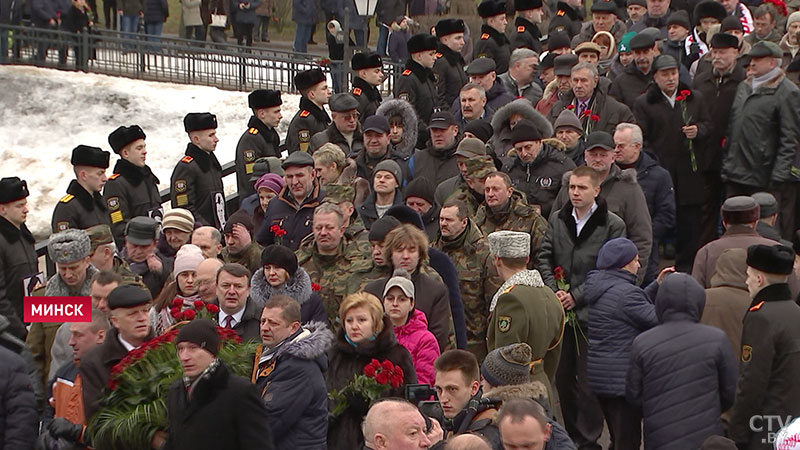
x=508, y=365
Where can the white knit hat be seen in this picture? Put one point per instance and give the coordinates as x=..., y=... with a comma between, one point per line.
x=189, y=256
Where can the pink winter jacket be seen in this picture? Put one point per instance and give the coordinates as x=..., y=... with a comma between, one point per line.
x=421, y=343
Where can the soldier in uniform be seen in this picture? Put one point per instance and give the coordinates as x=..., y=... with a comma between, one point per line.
x=343, y=196
x=83, y=206
x=260, y=140
x=311, y=118
x=368, y=70
x=470, y=189
x=197, y=178
x=493, y=43
x=19, y=265
x=505, y=208
x=568, y=18
x=527, y=34
x=132, y=190
x=416, y=83
x=449, y=66
x=478, y=281
x=104, y=257
x=770, y=360
x=524, y=309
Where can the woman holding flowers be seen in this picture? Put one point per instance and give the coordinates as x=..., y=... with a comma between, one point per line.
x=366, y=335
x=179, y=294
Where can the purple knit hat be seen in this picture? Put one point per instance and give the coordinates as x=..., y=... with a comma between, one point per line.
x=271, y=181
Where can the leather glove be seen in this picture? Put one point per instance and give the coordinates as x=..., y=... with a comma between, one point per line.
x=63, y=428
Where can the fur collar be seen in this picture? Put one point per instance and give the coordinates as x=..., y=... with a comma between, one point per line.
x=452, y=57
x=57, y=288
x=316, y=111
x=203, y=158
x=269, y=135
x=87, y=200
x=533, y=390
x=313, y=341
x=494, y=34
x=599, y=218
x=134, y=174
x=370, y=91
x=423, y=73
x=13, y=234
x=298, y=287
x=524, y=277
x=402, y=108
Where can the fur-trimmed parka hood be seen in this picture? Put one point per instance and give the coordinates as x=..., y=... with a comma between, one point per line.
x=311, y=342
x=402, y=108
x=534, y=390
x=523, y=107
x=298, y=287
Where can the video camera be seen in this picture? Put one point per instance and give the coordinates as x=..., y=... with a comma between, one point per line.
x=426, y=400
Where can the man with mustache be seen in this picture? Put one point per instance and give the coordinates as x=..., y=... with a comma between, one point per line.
x=637, y=76
x=473, y=105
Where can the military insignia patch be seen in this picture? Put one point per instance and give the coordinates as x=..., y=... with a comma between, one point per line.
x=438, y=55
x=253, y=131
x=66, y=198
x=304, y=135
x=520, y=29
x=182, y=199
x=545, y=182
x=484, y=36
x=747, y=353
x=248, y=168
x=407, y=72
x=356, y=91
x=113, y=203
x=249, y=155
x=560, y=12
x=113, y=176
x=504, y=323
x=304, y=113
x=180, y=185
x=187, y=159
x=403, y=96
x=757, y=307
x=61, y=226
x=116, y=217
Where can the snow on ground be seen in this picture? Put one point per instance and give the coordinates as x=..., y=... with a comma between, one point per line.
x=45, y=113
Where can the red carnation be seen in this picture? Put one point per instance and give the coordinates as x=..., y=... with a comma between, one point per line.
x=570, y=107
x=315, y=287
x=189, y=314
x=382, y=378
x=558, y=273
x=595, y=117
x=680, y=98
x=686, y=92
x=375, y=363
x=369, y=371
x=213, y=309
x=586, y=113
x=274, y=228
x=397, y=381
x=177, y=302
x=175, y=312
x=280, y=232
x=387, y=365
x=199, y=305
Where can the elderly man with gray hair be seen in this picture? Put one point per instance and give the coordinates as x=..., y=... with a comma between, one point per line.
x=472, y=98
x=395, y=423
x=519, y=80
x=655, y=182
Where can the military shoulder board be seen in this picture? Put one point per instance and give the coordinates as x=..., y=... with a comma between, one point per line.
x=520, y=29
x=757, y=307
x=304, y=113
x=484, y=36
x=560, y=12
x=407, y=72
x=356, y=91
x=508, y=289
x=113, y=176
x=253, y=131
x=438, y=55
x=67, y=198
x=187, y=159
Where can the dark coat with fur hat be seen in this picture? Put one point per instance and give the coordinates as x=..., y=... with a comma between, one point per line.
x=131, y=192
x=298, y=287
x=197, y=186
x=719, y=93
x=450, y=75
x=224, y=411
x=527, y=35
x=258, y=141
x=539, y=180
x=417, y=85
x=18, y=261
x=79, y=209
x=404, y=110
x=661, y=126
x=501, y=141
x=368, y=96
x=293, y=388
x=346, y=361
x=309, y=120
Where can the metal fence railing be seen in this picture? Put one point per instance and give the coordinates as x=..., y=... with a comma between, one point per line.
x=168, y=59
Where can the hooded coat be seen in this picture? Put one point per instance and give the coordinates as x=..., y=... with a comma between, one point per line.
x=346, y=361
x=298, y=286
x=681, y=399
x=618, y=311
x=294, y=389
x=422, y=345
x=501, y=140
x=727, y=300
x=735, y=236
x=405, y=111
x=540, y=179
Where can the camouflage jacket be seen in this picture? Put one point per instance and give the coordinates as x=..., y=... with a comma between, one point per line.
x=331, y=272
x=250, y=257
x=477, y=277
x=357, y=231
x=464, y=193
x=518, y=215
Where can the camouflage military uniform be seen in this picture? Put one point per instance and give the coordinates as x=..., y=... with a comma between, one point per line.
x=339, y=193
x=250, y=257
x=518, y=215
x=331, y=272
x=309, y=120
x=477, y=279
x=476, y=168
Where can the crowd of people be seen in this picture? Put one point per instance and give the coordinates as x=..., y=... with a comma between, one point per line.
x=495, y=236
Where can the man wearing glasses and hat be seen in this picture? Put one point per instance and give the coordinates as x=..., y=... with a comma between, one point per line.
x=83, y=206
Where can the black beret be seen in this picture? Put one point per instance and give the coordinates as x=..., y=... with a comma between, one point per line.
x=775, y=259
x=264, y=98
x=123, y=136
x=491, y=8
x=449, y=26
x=308, y=78
x=421, y=43
x=84, y=155
x=201, y=332
x=679, y=18
x=604, y=6
x=525, y=131
x=599, y=139
x=731, y=23
x=199, y=121
x=281, y=256
x=558, y=39
x=524, y=5
x=724, y=40
x=366, y=60
x=128, y=296
x=642, y=41
x=709, y=9
x=13, y=189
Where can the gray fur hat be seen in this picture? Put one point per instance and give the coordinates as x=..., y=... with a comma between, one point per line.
x=510, y=244
x=69, y=246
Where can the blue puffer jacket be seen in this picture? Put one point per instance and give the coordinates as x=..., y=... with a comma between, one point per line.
x=618, y=312
x=682, y=374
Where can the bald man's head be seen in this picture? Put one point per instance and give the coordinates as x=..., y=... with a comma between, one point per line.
x=468, y=442
x=206, y=278
x=395, y=425
x=209, y=239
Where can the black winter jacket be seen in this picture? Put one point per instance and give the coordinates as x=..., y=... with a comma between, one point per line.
x=539, y=180
x=682, y=374
x=18, y=261
x=289, y=216
x=657, y=187
x=618, y=311
x=17, y=404
x=130, y=192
